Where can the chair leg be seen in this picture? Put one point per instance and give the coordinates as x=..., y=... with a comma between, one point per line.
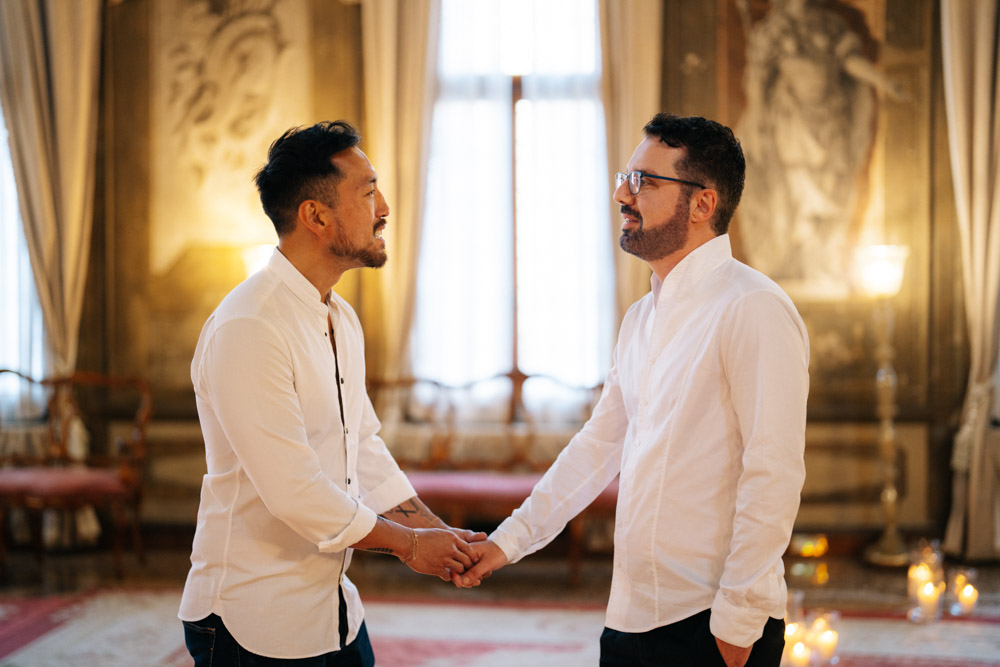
x=136, y=536
x=576, y=530
x=35, y=517
x=3, y=542
x=119, y=519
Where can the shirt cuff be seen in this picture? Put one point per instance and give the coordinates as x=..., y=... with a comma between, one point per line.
x=740, y=626
x=505, y=537
x=390, y=493
x=359, y=527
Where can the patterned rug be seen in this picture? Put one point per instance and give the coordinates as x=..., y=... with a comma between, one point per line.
x=127, y=628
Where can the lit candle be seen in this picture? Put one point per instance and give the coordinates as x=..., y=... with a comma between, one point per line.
x=820, y=625
x=917, y=576
x=959, y=582
x=967, y=598
x=827, y=643
x=799, y=655
x=929, y=596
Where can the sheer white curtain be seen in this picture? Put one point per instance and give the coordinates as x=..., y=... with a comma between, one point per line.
x=22, y=341
x=971, y=60
x=464, y=329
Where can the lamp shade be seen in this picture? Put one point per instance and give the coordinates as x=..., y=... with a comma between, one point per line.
x=879, y=268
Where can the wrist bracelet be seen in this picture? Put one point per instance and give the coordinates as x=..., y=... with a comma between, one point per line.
x=413, y=554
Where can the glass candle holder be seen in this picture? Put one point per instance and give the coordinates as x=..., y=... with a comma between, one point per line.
x=962, y=594
x=929, y=603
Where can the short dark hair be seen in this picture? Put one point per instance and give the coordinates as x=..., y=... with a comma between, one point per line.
x=712, y=156
x=299, y=167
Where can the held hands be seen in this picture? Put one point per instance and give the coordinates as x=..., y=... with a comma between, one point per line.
x=442, y=552
x=489, y=558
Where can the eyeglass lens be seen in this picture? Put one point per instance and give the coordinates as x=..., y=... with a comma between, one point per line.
x=634, y=179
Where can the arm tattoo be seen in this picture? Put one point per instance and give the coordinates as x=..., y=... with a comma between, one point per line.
x=413, y=507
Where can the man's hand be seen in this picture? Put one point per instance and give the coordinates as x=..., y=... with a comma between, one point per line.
x=735, y=656
x=441, y=553
x=467, y=535
x=489, y=558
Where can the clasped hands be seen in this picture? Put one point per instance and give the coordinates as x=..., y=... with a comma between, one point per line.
x=461, y=556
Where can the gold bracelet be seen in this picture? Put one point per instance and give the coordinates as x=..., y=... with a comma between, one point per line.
x=413, y=554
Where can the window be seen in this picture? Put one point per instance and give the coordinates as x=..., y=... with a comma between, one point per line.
x=21, y=335
x=516, y=269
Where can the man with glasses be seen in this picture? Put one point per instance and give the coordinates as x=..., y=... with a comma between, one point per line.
x=702, y=417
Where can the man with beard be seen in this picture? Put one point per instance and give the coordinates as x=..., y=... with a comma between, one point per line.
x=702, y=417
x=297, y=474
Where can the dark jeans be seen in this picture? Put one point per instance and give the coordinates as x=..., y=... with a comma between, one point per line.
x=211, y=645
x=686, y=643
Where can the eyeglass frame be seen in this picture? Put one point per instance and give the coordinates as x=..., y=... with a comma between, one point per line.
x=623, y=177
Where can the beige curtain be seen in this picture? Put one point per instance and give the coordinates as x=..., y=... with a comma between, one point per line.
x=631, y=46
x=400, y=58
x=49, y=65
x=970, y=56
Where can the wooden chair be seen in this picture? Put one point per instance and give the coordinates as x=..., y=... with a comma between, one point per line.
x=40, y=471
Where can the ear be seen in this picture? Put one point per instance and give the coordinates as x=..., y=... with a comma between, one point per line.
x=313, y=217
x=703, y=205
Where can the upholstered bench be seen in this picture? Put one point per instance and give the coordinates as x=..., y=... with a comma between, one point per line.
x=459, y=494
x=58, y=473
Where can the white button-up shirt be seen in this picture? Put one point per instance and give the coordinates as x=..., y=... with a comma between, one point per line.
x=703, y=415
x=289, y=487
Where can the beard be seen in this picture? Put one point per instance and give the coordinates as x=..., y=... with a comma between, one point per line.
x=372, y=256
x=656, y=242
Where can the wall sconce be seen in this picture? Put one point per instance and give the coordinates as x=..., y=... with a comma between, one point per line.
x=880, y=272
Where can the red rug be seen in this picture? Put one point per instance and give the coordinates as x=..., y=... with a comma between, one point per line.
x=128, y=628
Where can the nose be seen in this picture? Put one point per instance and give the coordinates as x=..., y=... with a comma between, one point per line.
x=622, y=194
x=381, y=205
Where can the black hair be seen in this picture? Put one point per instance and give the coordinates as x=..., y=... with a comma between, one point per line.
x=712, y=156
x=299, y=167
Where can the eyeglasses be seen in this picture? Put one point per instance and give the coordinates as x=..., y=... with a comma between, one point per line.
x=634, y=179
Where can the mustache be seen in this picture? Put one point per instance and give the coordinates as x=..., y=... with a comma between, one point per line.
x=631, y=212
x=380, y=224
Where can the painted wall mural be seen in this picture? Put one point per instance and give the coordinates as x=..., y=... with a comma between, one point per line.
x=808, y=130
x=229, y=76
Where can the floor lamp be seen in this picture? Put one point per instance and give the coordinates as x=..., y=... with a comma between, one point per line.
x=880, y=269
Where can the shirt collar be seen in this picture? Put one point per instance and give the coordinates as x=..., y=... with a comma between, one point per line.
x=691, y=269
x=296, y=282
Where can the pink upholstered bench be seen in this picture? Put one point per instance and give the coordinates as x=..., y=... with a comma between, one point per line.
x=460, y=494
x=47, y=478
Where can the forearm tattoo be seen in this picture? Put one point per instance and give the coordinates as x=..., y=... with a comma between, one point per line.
x=379, y=550
x=417, y=509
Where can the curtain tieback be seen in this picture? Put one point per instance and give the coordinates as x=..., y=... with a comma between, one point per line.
x=977, y=399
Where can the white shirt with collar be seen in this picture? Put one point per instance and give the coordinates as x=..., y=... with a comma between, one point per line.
x=289, y=487
x=703, y=415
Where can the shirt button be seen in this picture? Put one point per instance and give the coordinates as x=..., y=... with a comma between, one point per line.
x=345, y=430
x=644, y=402
x=341, y=380
x=348, y=480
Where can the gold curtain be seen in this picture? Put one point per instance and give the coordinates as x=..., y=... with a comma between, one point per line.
x=49, y=64
x=631, y=48
x=972, y=98
x=399, y=40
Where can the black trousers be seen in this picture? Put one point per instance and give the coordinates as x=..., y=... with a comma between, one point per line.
x=686, y=643
x=210, y=644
